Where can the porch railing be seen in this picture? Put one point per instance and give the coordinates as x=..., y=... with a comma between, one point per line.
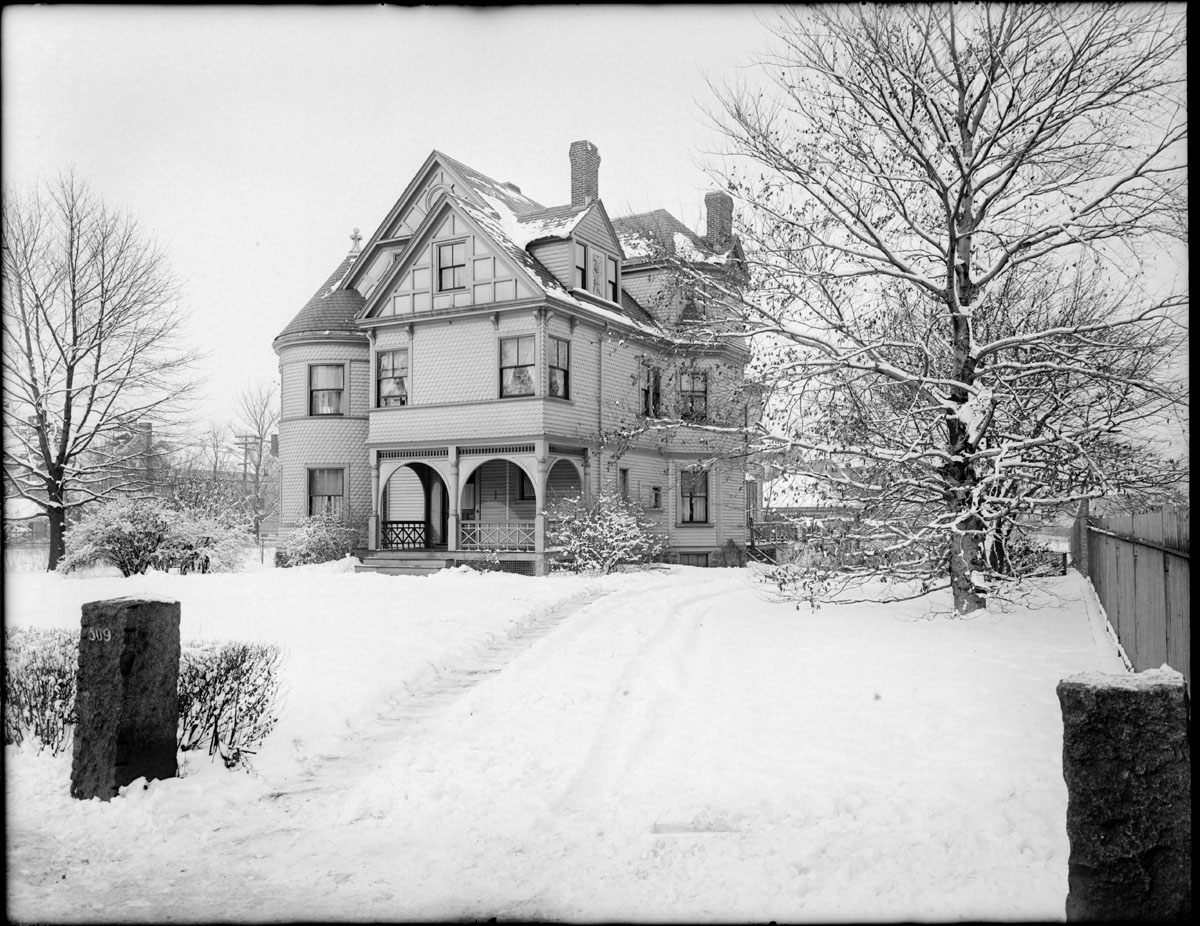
x=497, y=535
x=402, y=535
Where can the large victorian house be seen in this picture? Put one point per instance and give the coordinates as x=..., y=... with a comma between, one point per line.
x=482, y=356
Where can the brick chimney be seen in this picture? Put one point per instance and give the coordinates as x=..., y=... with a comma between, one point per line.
x=585, y=173
x=719, y=230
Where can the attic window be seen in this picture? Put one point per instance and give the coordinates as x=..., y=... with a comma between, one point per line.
x=452, y=266
x=610, y=281
x=580, y=265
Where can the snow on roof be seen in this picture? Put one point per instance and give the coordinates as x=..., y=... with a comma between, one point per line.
x=516, y=201
x=658, y=234
x=508, y=231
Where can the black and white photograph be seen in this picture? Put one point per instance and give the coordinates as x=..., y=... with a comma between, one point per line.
x=596, y=463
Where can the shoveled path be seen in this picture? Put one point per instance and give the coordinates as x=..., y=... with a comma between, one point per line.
x=362, y=751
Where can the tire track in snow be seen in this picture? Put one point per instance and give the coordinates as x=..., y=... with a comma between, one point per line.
x=660, y=671
x=360, y=752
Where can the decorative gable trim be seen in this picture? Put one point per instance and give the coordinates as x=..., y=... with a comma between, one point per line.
x=423, y=238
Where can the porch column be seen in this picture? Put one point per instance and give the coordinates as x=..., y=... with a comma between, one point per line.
x=586, y=488
x=373, y=520
x=539, y=521
x=455, y=512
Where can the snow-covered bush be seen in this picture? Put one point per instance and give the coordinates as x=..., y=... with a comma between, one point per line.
x=39, y=686
x=202, y=544
x=319, y=539
x=126, y=533
x=228, y=694
x=136, y=535
x=602, y=534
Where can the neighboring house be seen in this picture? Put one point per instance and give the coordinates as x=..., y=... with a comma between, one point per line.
x=483, y=356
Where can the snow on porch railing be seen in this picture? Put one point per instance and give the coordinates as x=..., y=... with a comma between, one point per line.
x=497, y=535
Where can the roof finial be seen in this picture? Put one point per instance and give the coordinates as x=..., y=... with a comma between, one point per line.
x=355, y=238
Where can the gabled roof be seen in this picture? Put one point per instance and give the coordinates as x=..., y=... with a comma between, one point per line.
x=513, y=221
x=330, y=309
x=658, y=235
x=484, y=185
x=555, y=222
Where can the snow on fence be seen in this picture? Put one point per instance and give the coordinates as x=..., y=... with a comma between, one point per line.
x=1139, y=566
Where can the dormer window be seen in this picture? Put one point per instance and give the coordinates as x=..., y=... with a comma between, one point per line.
x=452, y=266
x=610, y=281
x=581, y=269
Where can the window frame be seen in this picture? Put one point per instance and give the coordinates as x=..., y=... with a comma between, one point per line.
x=688, y=397
x=524, y=478
x=581, y=264
x=531, y=366
x=555, y=345
x=312, y=391
x=688, y=500
x=612, y=285
x=442, y=268
x=652, y=386
x=379, y=398
x=311, y=474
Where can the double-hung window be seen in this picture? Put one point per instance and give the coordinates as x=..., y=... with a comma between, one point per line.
x=326, y=389
x=693, y=396
x=693, y=497
x=652, y=392
x=391, y=377
x=516, y=366
x=610, y=281
x=326, y=491
x=560, y=367
x=581, y=267
x=452, y=266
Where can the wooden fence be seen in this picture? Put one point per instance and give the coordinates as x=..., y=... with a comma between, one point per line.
x=1139, y=567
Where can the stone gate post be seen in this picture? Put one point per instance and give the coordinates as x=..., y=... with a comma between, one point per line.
x=127, y=697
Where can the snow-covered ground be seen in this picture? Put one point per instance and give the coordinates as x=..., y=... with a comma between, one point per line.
x=674, y=746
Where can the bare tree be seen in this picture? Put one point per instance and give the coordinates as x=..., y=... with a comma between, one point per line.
x=941, y=202
x=258, y=422
x=91, y=350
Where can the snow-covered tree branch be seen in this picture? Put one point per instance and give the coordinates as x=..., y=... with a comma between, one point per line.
x=92, y=352
x=946, y=211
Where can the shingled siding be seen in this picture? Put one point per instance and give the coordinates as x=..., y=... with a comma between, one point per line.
x=295, y=360
x=307, y=442
x=556, y=256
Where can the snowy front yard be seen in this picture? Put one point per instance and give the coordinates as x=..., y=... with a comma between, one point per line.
x=675, y=747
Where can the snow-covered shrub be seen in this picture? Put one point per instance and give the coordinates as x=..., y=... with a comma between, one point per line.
x=228, y=694
x=136, y=535
x=319, y=539
x=40, y=667
x=125, y=533
x=202, y=544
x=602, y=534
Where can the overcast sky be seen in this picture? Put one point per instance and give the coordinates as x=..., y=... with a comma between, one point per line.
x=250, y=142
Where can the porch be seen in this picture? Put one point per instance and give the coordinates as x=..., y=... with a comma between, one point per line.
x=468, y=503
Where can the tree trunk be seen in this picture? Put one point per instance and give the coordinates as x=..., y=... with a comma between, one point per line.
x=58, y=527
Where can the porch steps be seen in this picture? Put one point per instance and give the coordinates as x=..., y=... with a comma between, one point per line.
x=404, y=563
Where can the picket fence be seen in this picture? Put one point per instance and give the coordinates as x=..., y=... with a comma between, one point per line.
x=1139, y=566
